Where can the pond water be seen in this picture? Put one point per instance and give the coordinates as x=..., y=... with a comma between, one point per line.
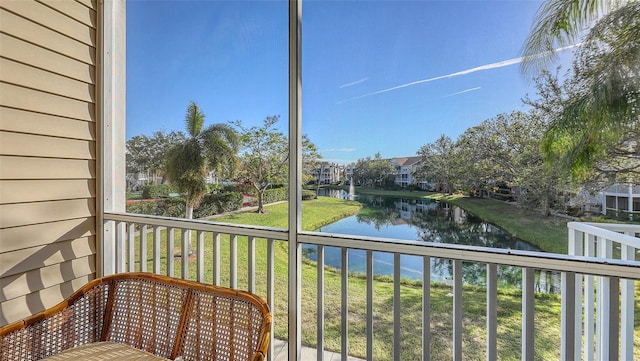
x=429, y=221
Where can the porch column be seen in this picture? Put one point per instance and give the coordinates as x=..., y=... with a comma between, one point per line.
x=111, y=112
x=295, y=177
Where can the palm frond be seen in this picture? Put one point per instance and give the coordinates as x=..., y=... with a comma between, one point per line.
x=194, y=119
x=559, y=23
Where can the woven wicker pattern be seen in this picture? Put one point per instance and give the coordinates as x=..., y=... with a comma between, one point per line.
x=221, y=327
x=146, y=314
x=164, y=316
x=104, y=351
x=79, y=323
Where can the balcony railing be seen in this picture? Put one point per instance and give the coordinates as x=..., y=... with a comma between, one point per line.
x=597, y=281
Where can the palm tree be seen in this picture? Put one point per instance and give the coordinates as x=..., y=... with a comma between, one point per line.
x=599, y=118
x=213, y=148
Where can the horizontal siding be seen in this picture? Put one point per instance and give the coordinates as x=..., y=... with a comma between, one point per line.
x=42, y=168
x=43, y=146
x=29, y=99
x=42, y=36
x=25, y=306
x=21, y=191
x=25, y=260
x=74, y=10
x=88, y=3
x=36, y=235
x=55, y=20
x=21, y=121
x=45, y=277
x=24, y=52
x=31, y=77
x=22, y=214
x=48, y=152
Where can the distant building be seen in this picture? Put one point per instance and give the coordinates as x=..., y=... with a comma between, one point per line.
x=621, y=197
x=406, y=167
x=327, y=173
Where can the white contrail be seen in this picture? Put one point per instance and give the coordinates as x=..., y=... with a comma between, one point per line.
x=496, y=65
x=354, y=83
x=463, y=91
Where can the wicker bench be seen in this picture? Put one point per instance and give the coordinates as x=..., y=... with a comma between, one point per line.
x=144, y=315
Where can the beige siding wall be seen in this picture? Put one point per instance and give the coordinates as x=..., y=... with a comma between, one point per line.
x=47, y=152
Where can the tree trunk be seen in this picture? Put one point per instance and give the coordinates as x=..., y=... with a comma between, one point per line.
x=189, y=215
x=260, y=200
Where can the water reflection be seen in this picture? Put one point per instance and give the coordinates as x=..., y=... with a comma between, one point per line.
x=429, y=221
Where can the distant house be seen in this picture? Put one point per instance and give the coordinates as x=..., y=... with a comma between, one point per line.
x=621, y=197
x=405, y=170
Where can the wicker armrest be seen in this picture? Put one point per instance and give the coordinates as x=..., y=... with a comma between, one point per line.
x=78, y=320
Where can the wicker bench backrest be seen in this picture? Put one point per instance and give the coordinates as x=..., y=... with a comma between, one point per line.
x=165, y=316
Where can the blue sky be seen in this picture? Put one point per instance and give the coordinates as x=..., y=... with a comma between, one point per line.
x=378, y=76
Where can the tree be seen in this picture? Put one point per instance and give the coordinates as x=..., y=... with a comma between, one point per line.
x=598, y=125
x=149, y=153
x=213, y=148
x=438, y=163
x=264, y=156
x=264, y=159
x=377, y=172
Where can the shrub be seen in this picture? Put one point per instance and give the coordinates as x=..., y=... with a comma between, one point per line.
x=275, y=195
x=307, y=195
x=157, y=190
x=174, y=207
x=151, y=208
x=218, y=203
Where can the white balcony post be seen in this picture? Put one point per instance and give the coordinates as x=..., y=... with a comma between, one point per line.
x=295, y=178
x=627, y=304
x=111, y=90
x=572, y=330
x=528, y=308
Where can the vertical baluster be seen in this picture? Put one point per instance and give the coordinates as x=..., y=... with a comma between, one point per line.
x=575, y=247
x=200, y=255
x=121, y=259
x=528, y=303
x=369, y=330
x=345, y=305
x=320, y=306
x=143, y=248
x=156, y=249
x=233, y=260
x=131, y=250
x=216, y=259
x=186, y=234
x=627, y=294
x=426, y=308
x=270, y=287
x=171, y=237
x=589, y=304
x=569, y=334
x=397, y=334
x=605, y=250
x=457, y=310
x=251, y=269
x=492, y=311
x=613, y=319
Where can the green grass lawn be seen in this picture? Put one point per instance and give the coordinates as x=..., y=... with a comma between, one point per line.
x=326, y=210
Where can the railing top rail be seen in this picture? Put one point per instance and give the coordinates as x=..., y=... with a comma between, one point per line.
x=508, y=257
x=199, y=225
x=609, y=231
